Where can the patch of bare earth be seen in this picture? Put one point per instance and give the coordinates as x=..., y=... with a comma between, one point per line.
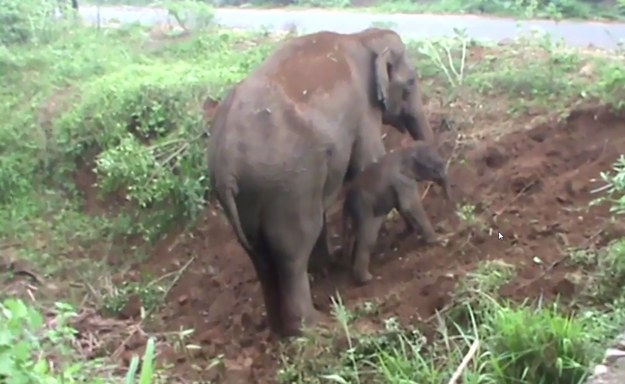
x=527, y=185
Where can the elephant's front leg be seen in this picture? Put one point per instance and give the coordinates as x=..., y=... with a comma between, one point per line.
x=411, y=210
x=321, y=257
x=367, y=230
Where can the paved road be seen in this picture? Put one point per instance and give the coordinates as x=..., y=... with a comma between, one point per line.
x=602, y=35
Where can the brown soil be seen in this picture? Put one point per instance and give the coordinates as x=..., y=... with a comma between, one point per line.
x=527, y=185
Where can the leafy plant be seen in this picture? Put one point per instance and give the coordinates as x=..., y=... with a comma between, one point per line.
x=454, y=72
x=147, y=367
x=614, y=187
x=537, y=346
x=28, y=348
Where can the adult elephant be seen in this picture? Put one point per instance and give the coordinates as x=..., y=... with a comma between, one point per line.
x=285, y=139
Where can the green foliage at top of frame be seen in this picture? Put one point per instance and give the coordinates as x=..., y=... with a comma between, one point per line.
x=128, y=104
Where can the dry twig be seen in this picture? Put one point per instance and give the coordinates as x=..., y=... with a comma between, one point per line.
x=515, y=198
x=138, y=327
x=465, y=361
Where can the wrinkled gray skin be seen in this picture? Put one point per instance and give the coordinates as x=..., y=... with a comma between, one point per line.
x=285, y=139
x=390, y=183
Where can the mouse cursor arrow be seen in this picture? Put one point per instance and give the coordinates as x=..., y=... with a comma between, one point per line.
x=499, y=236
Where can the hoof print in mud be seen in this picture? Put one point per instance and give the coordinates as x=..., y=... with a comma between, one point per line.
x=564, y=287
x=478, y=237
x=538, y=134
x=575, y=187
x=494, y=157
x=525, y=184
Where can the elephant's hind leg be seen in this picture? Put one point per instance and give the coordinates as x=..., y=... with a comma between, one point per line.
x=293, y=234
x=267, y=274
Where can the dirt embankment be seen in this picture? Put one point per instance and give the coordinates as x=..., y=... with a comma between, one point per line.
x=529, y=186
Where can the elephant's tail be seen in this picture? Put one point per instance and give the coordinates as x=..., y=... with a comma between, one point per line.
x=233, y=212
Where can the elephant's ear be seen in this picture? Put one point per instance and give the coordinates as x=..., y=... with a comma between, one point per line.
x=382, y=61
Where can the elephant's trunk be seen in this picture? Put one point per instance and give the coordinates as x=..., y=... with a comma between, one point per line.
x=417, y=122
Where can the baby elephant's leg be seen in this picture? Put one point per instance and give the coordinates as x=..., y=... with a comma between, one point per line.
x=366, y=236
x=321, y=256
x=412, y=212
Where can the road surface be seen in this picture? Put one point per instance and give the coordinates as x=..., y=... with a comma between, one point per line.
x=601, y=35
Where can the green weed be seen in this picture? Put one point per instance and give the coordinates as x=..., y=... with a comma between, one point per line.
x=36, y=349
x=537, y=346
x=467, y=214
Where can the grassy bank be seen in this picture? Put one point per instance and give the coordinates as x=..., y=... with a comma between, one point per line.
x=123, y=107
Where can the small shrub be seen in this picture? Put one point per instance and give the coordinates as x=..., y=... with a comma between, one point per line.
x=146, y=123
x=28, y=21
x=28, y=348
x=608, y=278
x=478, y=288
x=117, y=298
x=191, y=14
x=537, y=346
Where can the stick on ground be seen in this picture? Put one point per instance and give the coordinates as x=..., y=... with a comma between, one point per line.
x=465, y=361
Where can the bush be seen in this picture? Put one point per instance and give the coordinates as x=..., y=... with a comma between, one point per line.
x=538, y=346
x=145, y=123
x=26, y=346
x=191, y=14
x=33, y=350
x=28, y=21
x=135, y=115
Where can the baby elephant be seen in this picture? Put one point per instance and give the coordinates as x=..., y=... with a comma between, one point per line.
x=389, y=183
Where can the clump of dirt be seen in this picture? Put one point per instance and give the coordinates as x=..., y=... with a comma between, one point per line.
x=525, y=186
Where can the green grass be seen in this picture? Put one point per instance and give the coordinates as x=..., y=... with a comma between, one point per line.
x=515, y=343
x=130, y=106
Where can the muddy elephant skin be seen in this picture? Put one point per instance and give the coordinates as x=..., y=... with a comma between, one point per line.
x=284, y=140
x=390, y=183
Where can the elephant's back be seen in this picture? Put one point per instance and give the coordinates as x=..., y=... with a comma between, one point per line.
x=312, y=66
x=264, y=139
